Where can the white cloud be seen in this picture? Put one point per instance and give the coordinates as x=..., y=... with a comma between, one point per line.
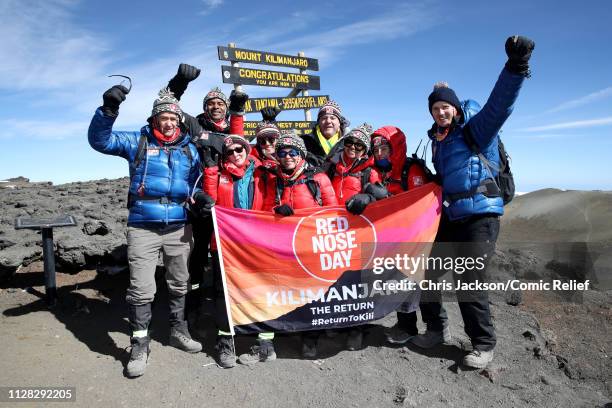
x=403, y=21
x=592, y=97
x=570, y=125
x=210, y=5
x=47, y=50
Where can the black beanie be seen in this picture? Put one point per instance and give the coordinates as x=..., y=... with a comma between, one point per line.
x=442, y=92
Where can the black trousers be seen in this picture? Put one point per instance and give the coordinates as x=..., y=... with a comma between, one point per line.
x=473, y=238
x=198, y=262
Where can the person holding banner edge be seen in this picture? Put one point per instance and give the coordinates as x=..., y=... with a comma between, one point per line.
x=471, y=217
x=238, y=182
x=299, y=185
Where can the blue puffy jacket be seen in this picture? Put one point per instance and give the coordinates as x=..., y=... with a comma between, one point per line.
x=169, y=175
x=461, y=169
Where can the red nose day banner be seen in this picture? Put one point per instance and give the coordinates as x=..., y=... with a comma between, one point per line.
x=324, y=267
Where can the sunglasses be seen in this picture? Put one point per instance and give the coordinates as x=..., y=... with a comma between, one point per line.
x=353, y=143
x=284, y=153
x=267, y=139
x=238, y=150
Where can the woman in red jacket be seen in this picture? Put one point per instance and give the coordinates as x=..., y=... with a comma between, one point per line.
x=396, y=171
x=267, y=134
x=350, y=170
x=238, y=182
x=299, y=185
x=399, y=173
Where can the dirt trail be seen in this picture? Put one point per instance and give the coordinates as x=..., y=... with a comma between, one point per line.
x=549, y=354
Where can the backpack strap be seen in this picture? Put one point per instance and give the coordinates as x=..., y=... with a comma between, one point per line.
x=311, y=184
x=487, y=187
x=365, y=177
x=405, y=170
x=140, y=151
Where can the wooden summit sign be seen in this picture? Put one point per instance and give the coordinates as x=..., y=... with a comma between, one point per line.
x=261, y=77
x=300, y=127
x=267, y=58
x=286, y=103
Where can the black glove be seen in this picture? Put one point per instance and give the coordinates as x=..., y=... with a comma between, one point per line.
x=209, y=157
x=237, y=101
x=283, y=210
x=376, y=190
x=269, y=113
x=358, y=203
x=185, y=74
x=518, y=49
x=202, y=204
x=112, y=99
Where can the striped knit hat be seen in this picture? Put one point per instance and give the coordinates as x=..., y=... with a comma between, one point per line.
x=289, y=138
x=215, y=93
x=266, y=129
x=361, y=133
x=166, y=102
x=330, y=108
x=235, y=139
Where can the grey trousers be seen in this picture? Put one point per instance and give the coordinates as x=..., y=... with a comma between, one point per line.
x=144, y=245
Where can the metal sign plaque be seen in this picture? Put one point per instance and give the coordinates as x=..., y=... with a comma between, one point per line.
x=267, y=58
x=40, y=223
x=261, y=77
x=300, y=102
x=301, y=127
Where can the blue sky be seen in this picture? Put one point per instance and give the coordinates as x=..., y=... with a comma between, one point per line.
x=378, y=59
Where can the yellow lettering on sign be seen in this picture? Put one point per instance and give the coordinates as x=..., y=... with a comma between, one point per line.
x=286, y=60
x=286, y=77
x=248, y=55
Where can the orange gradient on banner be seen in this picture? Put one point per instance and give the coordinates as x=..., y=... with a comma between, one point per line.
x=328, y=243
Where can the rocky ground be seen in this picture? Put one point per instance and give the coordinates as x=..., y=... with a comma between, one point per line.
x=554, y=349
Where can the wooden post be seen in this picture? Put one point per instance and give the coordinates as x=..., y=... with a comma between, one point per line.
x=307, y=115
x=237, y=87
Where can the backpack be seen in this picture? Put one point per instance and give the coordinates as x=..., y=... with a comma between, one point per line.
x=504, y=181
x=410, y=161
x=310, y=182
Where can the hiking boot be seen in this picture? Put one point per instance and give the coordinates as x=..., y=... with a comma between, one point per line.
x=432, y=338
x=478, y=358
x=225, y=348
x=139, y=356
x=398, y=335
x=309, y=347
x=354, y=340
x=264, y=351
x=180, y=338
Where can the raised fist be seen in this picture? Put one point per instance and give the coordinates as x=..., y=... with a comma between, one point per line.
x=237, y=101
x=112, y=99
x=518, y=49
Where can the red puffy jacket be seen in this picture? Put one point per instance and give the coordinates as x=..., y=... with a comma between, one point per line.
x=297, y=195
x=347, y=180
x=393, y=179
x=220, y=186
